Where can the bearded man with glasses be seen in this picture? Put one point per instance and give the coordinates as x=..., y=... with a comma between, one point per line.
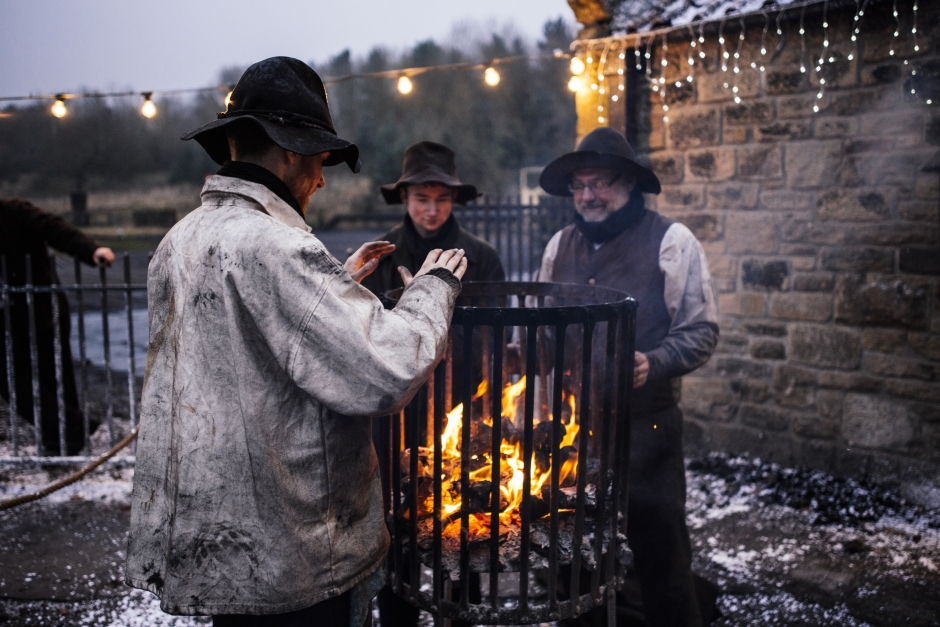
x=617, y=242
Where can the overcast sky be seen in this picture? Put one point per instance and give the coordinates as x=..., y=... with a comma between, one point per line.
x=50, y=46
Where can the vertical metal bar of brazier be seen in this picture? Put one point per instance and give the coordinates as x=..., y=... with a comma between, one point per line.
x=34, y=354
x=525, y=508
x=106, y=342
x=584, y=443
x=465, y=448
x=438, y=408
x=395, y=448
x=131, y=361
x=600, y=522
x=8, y=352
x=616, y=452
x=412, y=433
x=496, y=378
x=629, y=346
x=557, y=385
x=57, y=348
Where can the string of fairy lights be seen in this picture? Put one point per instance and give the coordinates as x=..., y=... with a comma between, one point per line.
x=594, y=64
x=404, y=79
x=591, y=62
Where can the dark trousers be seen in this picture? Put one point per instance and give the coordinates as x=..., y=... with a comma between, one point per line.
x=330, y=613
x=48, y=378
x=656, y=531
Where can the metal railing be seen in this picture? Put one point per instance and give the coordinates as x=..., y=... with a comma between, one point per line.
x=74, y=350
x=77, y=342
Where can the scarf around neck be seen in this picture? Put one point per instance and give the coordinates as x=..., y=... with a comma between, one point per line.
x=615, y=223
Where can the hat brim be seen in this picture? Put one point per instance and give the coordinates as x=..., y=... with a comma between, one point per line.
x=557, y=175
x=303, y=140
x=462, y=193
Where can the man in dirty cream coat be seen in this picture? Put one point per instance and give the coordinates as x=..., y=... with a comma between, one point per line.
x=256, y=489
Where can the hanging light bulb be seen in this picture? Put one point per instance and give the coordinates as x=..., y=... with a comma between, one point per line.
x=491, y=76
x=577, y=66
x=405, y=86
x=228, y=99
x=58, y=108
x=575, y=83
x=148, y=109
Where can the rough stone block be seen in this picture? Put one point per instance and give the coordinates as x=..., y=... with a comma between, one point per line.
x=816, y=426
x=895, y=366
x=917, y=210
x=717, y=86
x=766, y=328
x=858, y=259
x=829, y=127
x=750, y=390
x=763, y=417
x=747, y=304
x=786, y=81
x=852, y=205
x=764, y=274
x=753, y=112
x=881, y=301
x=705, y=226
x=787, y=200
x=883, y=340
x=891, y=123
x=732, y=343
x=686, y=196
x=668, y=166
x=751, y=233
x=891, y=234
x=876, y=422
x=800, y=106
x=920, y=391
x=713, y=164
x=919, y=260
x=811, y=163
x=760, y=162
x=813, y=282
x=738, y=368
x=694, y=128
x=925, y=344
x=885, y=73
x=932, y=133
x=707, y=398
x=927, y=186
x=854, y=102
x=736, y=135
x=808, y=306
x=825, y=346
x=802, y=258
x=732, y=196
x=768, y=349
x=784, y=131
x=858, y=382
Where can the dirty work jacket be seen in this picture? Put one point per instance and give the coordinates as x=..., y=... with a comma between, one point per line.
x=256, y=488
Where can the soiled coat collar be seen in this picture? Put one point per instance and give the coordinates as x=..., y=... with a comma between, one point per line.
x=267, y=201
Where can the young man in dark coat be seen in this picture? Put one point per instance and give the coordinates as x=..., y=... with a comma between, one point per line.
x=27, y=231
x=429, y=187
x=616, y=242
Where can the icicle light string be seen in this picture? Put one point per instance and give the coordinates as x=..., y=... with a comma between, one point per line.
x=823, y=57
x=802, y=41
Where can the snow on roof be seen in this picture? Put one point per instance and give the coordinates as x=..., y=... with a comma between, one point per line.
x=683, y=12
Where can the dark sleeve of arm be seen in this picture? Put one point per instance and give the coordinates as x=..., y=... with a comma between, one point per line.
x=690, y=301
x=58, y=234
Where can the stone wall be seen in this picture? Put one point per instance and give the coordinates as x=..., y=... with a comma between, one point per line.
x=821, y=231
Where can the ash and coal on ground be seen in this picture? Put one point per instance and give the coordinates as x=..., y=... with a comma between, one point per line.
x=785, y=546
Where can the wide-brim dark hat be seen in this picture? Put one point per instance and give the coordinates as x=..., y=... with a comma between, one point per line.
x=286, y=98
x=429, y=162
x=601, y=148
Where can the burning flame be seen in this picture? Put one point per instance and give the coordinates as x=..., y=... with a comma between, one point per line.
x=511, y=462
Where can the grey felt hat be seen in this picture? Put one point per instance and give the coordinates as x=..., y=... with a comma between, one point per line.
x=429, y=162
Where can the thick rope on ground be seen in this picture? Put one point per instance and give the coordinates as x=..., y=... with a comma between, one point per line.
x=69, y=480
